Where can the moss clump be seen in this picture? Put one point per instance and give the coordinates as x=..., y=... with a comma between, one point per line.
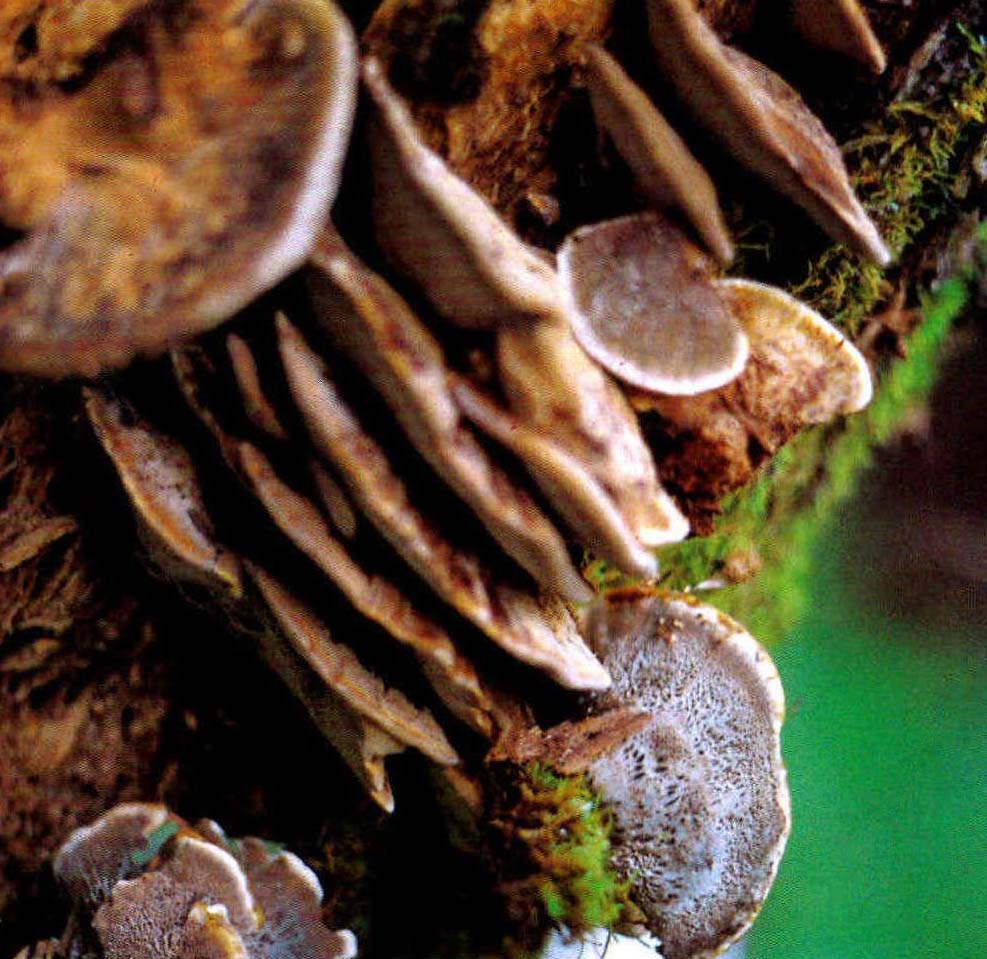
x=550, y=851
x=904, y=171
x=785, y=512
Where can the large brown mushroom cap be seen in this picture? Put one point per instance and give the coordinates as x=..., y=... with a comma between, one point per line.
x=700, y=796
x=44, y=40
x=151, y=209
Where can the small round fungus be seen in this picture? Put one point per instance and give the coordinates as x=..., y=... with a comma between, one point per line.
x=797, y=351
x=700, y=795
x=644, y=306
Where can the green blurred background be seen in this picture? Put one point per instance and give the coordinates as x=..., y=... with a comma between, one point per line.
x=886, y=679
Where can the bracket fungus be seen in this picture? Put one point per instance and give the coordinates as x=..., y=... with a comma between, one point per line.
x=553, y=386
x=410, y=371
x=668, y=175
x=147, y=209
x=700, y=795
x=144, y=883
x=802, y=371
x=159, y=477
x=841, y=26
x=420, y=489
x=442, y=233
x=762, y=121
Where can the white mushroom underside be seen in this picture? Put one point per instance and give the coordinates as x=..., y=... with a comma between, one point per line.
x=700, y=795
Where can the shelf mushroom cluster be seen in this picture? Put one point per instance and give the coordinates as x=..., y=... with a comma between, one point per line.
x=414, y=446
x=144, y=883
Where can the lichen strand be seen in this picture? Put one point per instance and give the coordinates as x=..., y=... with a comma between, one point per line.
x=549, y=849
x=779, y=519
x=906, y=167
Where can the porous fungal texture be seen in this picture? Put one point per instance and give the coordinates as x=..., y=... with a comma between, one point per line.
x=699, y=795
x=143, y=883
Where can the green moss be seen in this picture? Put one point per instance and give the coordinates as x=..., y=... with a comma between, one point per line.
x=784, y=513
x=903, y=170
x=551, y=854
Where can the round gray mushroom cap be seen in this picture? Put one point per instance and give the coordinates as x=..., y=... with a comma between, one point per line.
x=642, y=302
x=700, y=795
